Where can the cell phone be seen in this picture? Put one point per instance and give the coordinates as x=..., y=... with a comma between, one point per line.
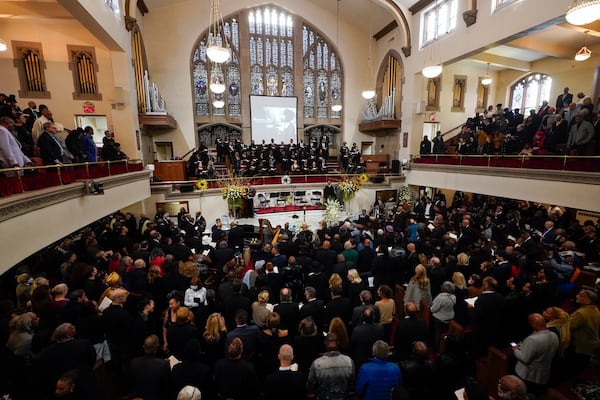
x=513, y=344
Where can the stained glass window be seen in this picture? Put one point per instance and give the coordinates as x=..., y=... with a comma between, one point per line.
x=529, y=92
x=270, y=63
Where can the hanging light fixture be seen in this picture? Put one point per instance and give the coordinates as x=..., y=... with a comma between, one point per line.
x=487, y=79
x=3, y=46
x=583, y=12
x=335, y=93
x=584, y=53
x=217, y=48
x=218, y=102
x=369, y=93
x=217, y=81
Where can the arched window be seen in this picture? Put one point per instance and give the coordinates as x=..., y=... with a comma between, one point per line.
x=529, y=92
x=278, y=49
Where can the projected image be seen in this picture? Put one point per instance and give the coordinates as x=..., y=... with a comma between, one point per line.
x=273, y=118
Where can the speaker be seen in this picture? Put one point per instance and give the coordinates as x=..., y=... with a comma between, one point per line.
x=395, y=166
x=187, y=188
x=377, y=179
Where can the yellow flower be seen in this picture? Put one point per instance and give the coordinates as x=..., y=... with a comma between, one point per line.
x=363, y=177
x=202, y=184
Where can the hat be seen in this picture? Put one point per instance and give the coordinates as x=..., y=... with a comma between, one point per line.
x=567, y=253
x=389, y=228
x=380, y=231
x=259, y=264
x=112, y=279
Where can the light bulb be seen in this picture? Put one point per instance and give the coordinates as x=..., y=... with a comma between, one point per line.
x=431, y=71
x=218, y=54
x=218, y=104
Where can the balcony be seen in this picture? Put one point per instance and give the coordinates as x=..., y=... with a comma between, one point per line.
x=46, y=206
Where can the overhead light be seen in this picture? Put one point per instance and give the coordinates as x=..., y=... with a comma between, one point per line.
x=584, y=53
x=368, y=94
x=336, y=96
x=218, y=103
x=3, y=46
x=217, y=48
x=217, y=81
x=431, y=71
x=487, y=79
x=583, y=12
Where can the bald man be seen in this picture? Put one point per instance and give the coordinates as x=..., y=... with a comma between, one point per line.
x=535, y=354
x=287, y=382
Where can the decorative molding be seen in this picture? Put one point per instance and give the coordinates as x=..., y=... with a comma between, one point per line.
x=130, y=23
x=587, y=178
x=419, y=5
x=385, y=30
x=17, y=205
x=406, y=50
x=470, y=17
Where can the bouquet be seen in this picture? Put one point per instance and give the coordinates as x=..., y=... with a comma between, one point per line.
x=349, y=186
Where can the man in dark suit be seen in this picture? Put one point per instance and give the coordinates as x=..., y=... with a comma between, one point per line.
x=149, y=375
x=487, y=318
x=286, y=382
x=235, y=237
x=467, y=236
x=50, y=149
x=248, y=334
x=363, y=337
x=235, y=377
x=326, y=256
x=313, y=307
x=409, y=330
x=288, y=311
x=232, y=304
x=67, y=353
x=33, y=115
x=339, y=306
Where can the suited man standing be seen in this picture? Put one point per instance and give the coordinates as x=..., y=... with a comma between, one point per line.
x=487, y=316
x=286, y=382
x=33, y=115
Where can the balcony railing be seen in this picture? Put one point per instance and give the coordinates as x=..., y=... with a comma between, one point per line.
x=20, y=180
x=547, y=162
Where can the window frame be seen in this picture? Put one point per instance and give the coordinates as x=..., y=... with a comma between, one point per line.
x=431, y=29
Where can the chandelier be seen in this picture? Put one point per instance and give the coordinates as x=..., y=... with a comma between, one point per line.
x=487, y=79
x=217, y=80
x=582, y=12
x=584, y=53
x=217, y=48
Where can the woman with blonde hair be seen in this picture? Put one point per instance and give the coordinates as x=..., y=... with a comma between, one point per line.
x=462, y=264
x=21, y=335
x=59, y=294
x=418, y=288
x=338, y=327
x=261, y=309
x=335, y=280
x=213, y=338
x=558, y=321
x=355, y=286
x=461, y=291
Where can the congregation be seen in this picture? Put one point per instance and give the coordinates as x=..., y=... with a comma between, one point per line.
x=31, y=134
x=570, y=127
x=145, y=308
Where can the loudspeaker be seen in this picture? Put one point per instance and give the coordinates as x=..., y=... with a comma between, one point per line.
x=187, y=188
x=395, y=166
x=377, y=179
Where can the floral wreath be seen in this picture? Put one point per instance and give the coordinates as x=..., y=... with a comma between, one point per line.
x=331, y=213
x=286, y=180
x=202, y=184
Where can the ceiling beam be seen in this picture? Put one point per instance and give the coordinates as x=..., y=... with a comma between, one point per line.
x=552, y=49
x=503, y=62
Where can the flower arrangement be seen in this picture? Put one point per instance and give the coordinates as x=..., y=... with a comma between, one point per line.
x=363, y=178
x=286, y=180
x=331, y=213
x=235, y=190
x=349, y=186
x=404, y=194
x=202, y=184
